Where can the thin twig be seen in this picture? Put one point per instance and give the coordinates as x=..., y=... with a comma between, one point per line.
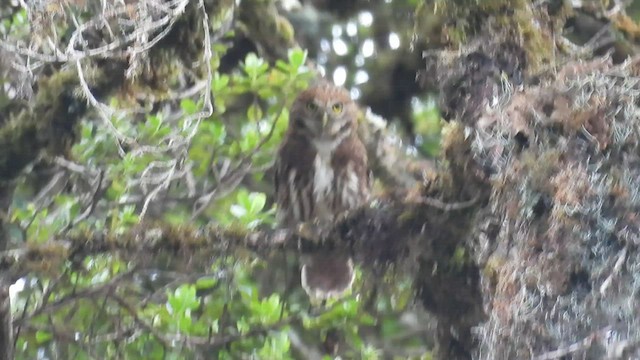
x=439, y=204
x=71, y=298
x=583, y=344
x=614, y=272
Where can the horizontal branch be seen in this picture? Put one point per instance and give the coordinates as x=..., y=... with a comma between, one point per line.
x=381, y=232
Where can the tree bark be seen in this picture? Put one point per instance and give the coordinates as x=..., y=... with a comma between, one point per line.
x=6, y=323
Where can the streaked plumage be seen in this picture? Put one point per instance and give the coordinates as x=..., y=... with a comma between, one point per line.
x=321, y=171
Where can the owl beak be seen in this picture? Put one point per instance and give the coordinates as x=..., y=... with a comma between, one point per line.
x=325, y=120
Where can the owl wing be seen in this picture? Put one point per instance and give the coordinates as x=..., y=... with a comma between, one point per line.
x=293, y=175
x=281, y=195
x=350, y=161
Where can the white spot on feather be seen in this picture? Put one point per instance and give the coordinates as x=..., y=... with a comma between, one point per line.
x=325, y=148
x=351, y=189
x=293, y=194
x=322, y=185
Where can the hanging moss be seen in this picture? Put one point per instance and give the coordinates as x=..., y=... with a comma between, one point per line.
x=271, y=32
x=48, y=124
x=468, y=24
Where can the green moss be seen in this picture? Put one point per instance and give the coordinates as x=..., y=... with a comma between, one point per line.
x=285, y=29
x=47, y=124
x=406, y=216
x=221, y=15
x=460, y=258
x=493, y=266
x=47, y=257
x=456, y=22
x=267, y=27
x=19, y=144
x=538, y=44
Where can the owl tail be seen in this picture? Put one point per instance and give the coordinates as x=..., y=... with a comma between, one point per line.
x=327, y=275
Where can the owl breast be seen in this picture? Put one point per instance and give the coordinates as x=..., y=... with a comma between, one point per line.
x=323, y=187
x=335, y=190
x=318, y=182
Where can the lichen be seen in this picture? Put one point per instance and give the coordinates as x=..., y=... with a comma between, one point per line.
x=564, y=200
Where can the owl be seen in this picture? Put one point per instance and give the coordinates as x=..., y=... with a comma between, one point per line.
x=320, y=172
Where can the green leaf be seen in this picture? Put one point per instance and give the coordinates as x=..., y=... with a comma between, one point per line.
x=217, y=130
x=390, y=327
x=297, y=57
x=276, y=346
x=184, y=298
x=43, y=336
x=353, y=337
x=254, y=113
x=268, y=309
x=243, y=326
x=243, y=199
x=257, y=202
x=206, y=282
x=252, y=61
x=369, y=353
x=254, y=67
x=188, y=106
x=220, y=83
x=154, y=122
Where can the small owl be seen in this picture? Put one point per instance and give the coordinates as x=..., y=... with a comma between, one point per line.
x=321, y=171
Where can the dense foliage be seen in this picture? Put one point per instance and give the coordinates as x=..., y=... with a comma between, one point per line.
x=195, y=151
x=132, y=130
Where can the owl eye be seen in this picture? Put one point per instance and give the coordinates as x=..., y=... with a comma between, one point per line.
x=312, y=106
x=337, y=108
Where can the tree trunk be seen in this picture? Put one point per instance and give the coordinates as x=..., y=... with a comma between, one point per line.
x=6, y=324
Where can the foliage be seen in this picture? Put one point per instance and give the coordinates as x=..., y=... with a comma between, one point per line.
x=133, y=165
x=120, y=120
x=224, y=138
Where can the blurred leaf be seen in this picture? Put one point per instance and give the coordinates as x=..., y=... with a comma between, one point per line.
x=184, y=298
x=188, y=106
x=254, y=113
x=206, y=283
x=43, y=336
x=257, y=202
x=297, y=57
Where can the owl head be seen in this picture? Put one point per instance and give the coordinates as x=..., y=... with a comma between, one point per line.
x=324, y=114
